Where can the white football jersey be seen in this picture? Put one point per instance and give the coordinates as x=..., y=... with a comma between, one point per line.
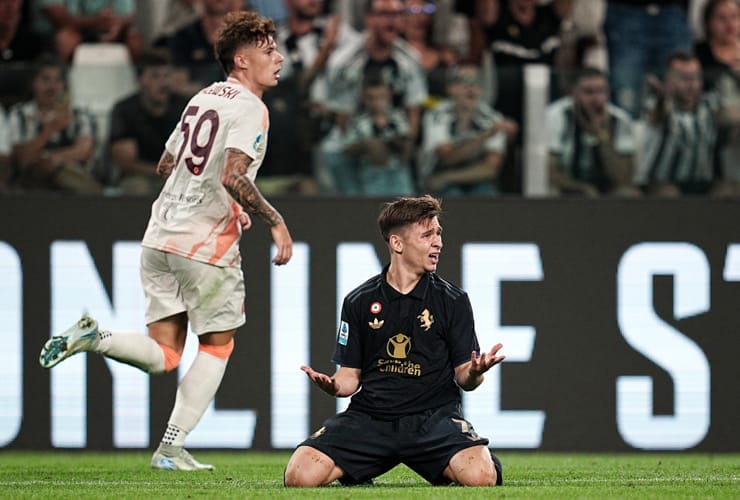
x=194, y=216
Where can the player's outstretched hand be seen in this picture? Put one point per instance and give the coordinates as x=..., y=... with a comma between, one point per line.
x=487, y=360
x=323, y=381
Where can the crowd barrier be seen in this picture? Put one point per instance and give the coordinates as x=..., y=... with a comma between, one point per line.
x=619, y=319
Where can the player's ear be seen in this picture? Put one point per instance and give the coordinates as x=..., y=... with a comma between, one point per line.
x=240, y=61
x=395, y=243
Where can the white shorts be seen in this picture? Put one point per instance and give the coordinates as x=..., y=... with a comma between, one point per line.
x=212, y=297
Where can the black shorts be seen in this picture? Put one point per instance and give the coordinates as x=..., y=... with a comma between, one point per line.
x=366, y=447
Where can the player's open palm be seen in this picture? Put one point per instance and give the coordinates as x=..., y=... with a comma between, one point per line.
x=322, y=380
x=486, y=360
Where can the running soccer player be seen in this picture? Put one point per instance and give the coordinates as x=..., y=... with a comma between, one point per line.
x=190, y=262
x=406, y=345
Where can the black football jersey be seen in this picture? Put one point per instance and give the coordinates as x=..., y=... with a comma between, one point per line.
x=406, y=345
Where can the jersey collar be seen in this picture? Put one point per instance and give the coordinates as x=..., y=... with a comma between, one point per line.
x=419, y=291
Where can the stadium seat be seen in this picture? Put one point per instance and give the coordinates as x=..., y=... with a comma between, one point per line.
x=100, y=75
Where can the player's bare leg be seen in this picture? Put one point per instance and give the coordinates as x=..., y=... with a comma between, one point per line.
x=472, y=467
x=308, y=467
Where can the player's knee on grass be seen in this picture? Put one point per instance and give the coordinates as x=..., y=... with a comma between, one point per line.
x=472, y=467
x=476, y=475
x=299, y=474
x=309, y=468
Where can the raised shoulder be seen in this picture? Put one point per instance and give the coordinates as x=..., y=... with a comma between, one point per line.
x=441, y=285
x=370, y=285
x=559, y=106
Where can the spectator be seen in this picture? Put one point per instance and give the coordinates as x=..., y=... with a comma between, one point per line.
x=18, y=45
x=582, y=42
x=516, y=33
x=141, y=123
x=418, y=31
x=17, y=41
x=307, y=39
x=52, y=142
x=177, y=15
x=5, y=170
x=591, y=141
x=719, y=52
x=640, y=36
x=681, y=131
x=464, y=140
x=85, y=21
x=192, y=47
x=379, y=51
x=378, y=140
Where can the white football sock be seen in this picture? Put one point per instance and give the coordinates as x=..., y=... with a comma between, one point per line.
x=195, y=392
x=173, y=440
x=132, y=348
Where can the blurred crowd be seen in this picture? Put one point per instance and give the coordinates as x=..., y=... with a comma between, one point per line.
x=385, y=97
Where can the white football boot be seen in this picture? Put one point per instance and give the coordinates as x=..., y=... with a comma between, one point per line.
x=170, y=458
x=82, y=336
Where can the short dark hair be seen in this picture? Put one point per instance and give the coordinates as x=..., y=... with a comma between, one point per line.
x=406, y=211
x=152, y=58
x=48, y=60
x=239, y=29
x=369, y=7
x=588, y=72
x=452, y=73
x=683, y=56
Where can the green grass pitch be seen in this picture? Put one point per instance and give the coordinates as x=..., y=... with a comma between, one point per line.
x=126, y=474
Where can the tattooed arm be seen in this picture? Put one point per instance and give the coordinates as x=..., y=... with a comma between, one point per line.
x=244, y=191
x=165, y=166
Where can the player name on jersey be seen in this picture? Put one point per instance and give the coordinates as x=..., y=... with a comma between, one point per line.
x=221, y=90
